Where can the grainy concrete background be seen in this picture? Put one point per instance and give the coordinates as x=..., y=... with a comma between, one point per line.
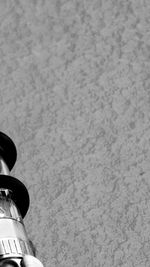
x=75, y=98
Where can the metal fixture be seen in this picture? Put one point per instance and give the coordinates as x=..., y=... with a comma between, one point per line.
x=14, y=204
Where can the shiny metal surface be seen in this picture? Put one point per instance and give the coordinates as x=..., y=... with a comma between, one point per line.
x=14, y=243
x=11, y=262
x=10, y=228
x=13, y=239
x=8, y=208
x=13, y=247
x=3, y=167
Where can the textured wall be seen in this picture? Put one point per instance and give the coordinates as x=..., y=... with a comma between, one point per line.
x=75, y=98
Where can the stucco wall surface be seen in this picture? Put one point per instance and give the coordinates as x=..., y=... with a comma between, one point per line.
x=75, y=99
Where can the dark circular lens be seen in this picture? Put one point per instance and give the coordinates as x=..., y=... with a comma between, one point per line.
x=8, y=263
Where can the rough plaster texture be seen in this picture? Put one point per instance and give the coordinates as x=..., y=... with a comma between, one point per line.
x=75, y=98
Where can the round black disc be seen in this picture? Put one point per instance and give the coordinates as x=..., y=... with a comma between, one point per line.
x=8, y=150
x=20, y=194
